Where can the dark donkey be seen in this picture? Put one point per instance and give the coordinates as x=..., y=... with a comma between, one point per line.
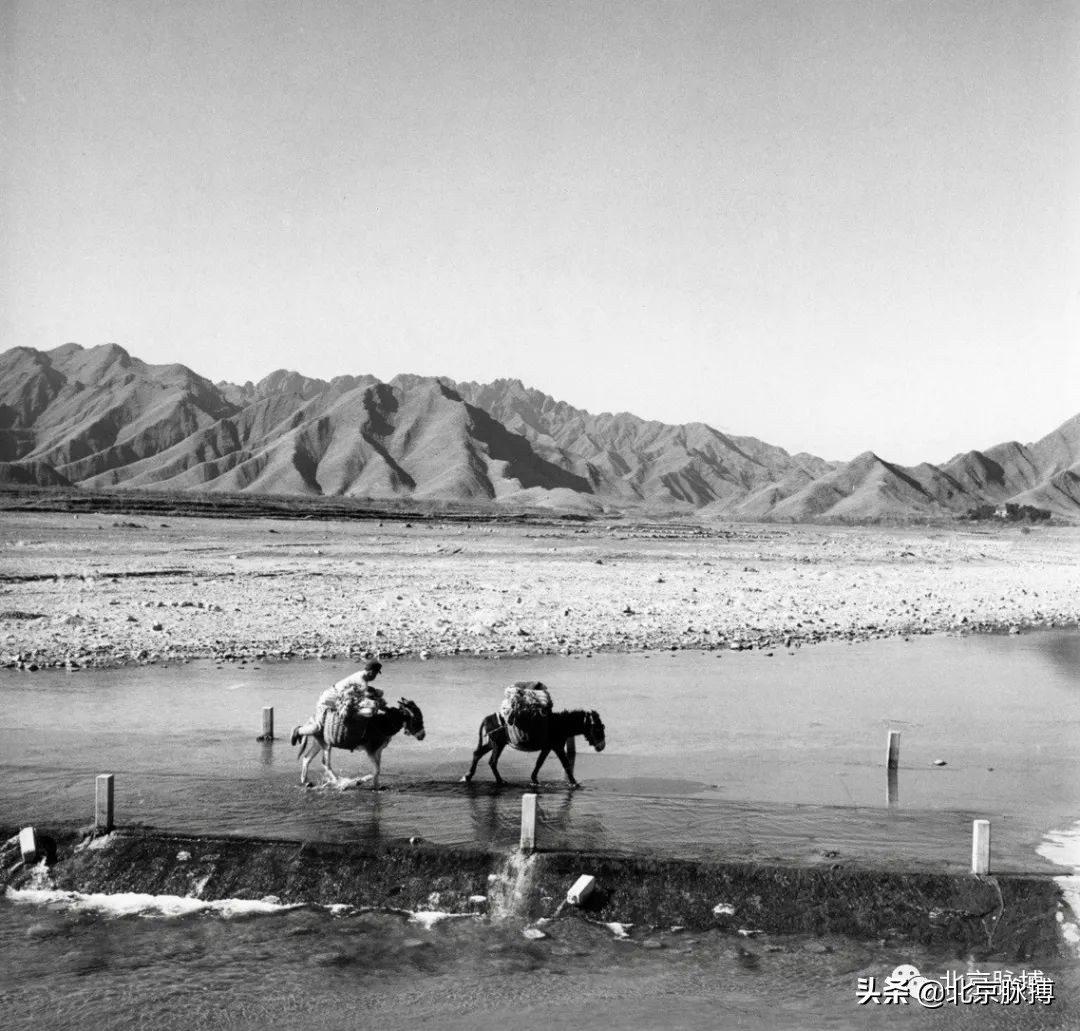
x=552, y=733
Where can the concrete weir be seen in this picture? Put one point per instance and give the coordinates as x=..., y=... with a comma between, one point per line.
x=1015, y=917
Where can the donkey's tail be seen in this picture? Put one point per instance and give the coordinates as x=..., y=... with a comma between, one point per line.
x=488, y=726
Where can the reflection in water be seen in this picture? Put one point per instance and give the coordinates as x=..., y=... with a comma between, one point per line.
x=485, y=812
x=495, y=812
x=371, y=817
x=571, y=821
x=892, y=788
x=1063, y=651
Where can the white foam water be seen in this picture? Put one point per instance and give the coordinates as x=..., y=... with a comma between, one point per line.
x=1062, y=848
x=428, y=918
x=139, y=904
x=508, y=889
x=125, y=904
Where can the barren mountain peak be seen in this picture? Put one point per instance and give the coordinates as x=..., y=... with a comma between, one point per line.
x=867, y=458
x=99, y=417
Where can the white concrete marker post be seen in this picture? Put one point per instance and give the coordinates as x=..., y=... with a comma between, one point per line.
x=980, y=847
x=267, y=724
x=582, y=889
x=528, y=822
x=893, y=760
x=892, y=763
x=103, y=803
x=28, y=845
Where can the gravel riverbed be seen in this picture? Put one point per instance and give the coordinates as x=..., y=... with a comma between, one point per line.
x=106, y=590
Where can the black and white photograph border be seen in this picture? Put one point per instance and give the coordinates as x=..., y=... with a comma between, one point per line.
x=530, y=513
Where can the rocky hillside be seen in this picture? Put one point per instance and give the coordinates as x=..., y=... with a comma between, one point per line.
x=631, y=460
x=101, y=419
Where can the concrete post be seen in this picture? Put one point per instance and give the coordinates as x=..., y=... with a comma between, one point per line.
x=980, y=847
x=892, y=789
x=893, y=760
x=103, y=803
x=28, y=845
x=528, y=822
x=581, y=890
x=267, y=724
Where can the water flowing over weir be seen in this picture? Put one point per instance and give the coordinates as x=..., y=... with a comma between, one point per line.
x=509, y=891
x=1018, y=917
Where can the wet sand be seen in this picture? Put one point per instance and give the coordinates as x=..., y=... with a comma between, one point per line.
x=104, y=590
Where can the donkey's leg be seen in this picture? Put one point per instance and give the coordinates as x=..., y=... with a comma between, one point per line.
x=496, y=750
x=376, y=762
x=539, y=762
x=331, y=776
x=305, y=762
x=308, y=748
x=483, y=746
x=567, y=764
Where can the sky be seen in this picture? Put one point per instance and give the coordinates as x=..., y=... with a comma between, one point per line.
x=833, y=225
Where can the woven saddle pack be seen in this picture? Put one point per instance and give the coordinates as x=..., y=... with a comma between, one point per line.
x=347, y=724
x=525, y=710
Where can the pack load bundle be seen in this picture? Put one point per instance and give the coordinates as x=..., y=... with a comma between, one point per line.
x=526, y=703
x=345, y=722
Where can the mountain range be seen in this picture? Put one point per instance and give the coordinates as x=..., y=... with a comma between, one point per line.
x=101, y=419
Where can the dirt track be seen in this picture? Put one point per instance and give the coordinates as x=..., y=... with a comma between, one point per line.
x=104, y=590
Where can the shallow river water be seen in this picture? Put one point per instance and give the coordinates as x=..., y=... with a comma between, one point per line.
x=734, y=754
x=744, y=752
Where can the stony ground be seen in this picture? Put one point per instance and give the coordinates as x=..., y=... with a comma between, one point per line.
x=102, y=590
